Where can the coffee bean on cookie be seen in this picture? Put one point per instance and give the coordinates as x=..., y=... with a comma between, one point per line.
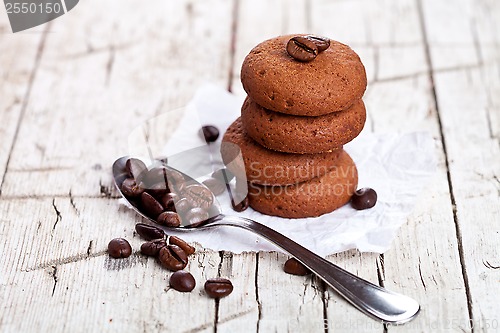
x=322, y=43
x=302, y=49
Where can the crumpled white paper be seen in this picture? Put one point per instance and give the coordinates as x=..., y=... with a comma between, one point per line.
x=397, y=166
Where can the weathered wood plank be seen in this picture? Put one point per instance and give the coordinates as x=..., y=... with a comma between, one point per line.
x=288, y=303
x=463, y=104
x=466, y=106
x=55, y=262
x=241, y=310
x=94, y=88
x=18, y=59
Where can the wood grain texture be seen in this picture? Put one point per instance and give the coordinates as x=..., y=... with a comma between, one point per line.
x=19, y=55
x=463, y=97
x=431, y=66
x=94, y=88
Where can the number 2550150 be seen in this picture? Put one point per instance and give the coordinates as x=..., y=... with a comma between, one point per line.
x=32, y=8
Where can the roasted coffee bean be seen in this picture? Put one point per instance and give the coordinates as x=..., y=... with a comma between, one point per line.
x=223, y=175
x=169, y=219
x=210, y=133
x=155, y=182
x=173, y=258
x=150, y=205
x=302, y=49
x=243, y=205
x=135, y=168
x=149, y=232
x=175, y=180
x=153, y=248
x=196, y=215
x=215, y=185
x=322, y=43
x=364, y=198
x=198, y=196
x=119, y=248
x=182, y=206
x=182, y=244
x=182, y=281
x=218, y=287
x=130, y=188
x=293, y=266
x=168, y=201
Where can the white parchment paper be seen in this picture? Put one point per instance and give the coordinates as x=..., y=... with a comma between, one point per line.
x=397, y=166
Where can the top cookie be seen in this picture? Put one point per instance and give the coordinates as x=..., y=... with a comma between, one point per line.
x=333, y=81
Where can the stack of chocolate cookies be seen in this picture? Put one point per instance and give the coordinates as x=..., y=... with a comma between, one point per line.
x=303, y=104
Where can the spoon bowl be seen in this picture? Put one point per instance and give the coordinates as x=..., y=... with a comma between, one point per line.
x=377, y=302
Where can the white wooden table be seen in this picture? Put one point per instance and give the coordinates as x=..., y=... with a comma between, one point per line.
x=72, y=90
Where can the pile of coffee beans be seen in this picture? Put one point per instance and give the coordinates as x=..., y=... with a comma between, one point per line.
x=170, y=198
x=172, y=252
x=306, y=48
x=165, y=195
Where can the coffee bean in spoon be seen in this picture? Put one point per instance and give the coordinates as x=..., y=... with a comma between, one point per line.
x=198, y=196
x=169, y=200
x=119, y=248
x=149, y=232
x=188, y=249
x=182, y=206
x=210, y=133
x=364, y=198
x=215, y=185
x=294, y=267
x=218, y=287
x=182, y=281
x=175, y=180
x=135, y=168
x=155, y=182
x=152, y=248
x=302, y=49
x=169, y=219
x=131, y=189
x=196, y=215
x=243, y=205
x=151, y=207
x=322, y=43
x=173, y=258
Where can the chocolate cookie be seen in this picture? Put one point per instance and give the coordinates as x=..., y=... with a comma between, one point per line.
x=267, y=167
x=295, y=134
x=331, y=82
x=308, y=199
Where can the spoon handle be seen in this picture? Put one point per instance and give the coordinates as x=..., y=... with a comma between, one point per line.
x=375, y=301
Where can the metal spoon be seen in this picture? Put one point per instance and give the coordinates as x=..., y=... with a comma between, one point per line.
x=375, y=301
